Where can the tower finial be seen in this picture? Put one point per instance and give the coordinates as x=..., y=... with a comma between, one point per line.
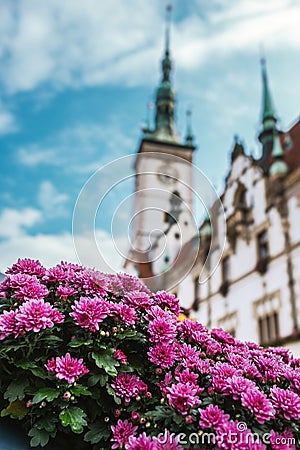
x=268, y=110
x=165, y=97
x=168, y=26
x=189, y=133
x=166, y=62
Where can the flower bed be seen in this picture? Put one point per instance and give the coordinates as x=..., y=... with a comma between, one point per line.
x=97, y=361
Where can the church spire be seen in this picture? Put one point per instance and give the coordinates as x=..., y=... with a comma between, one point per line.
x=165, y=97
x=268, y=120
x=268, y=112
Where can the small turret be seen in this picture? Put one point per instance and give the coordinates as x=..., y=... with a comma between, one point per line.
x=279, y=167
x=189, y=139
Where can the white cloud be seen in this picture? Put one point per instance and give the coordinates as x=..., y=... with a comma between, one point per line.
x=75, y=43
x=81, y=149
x=14, y=223
x=8, y=122
x=51, y=201
x=33, y=156
x=50, y=249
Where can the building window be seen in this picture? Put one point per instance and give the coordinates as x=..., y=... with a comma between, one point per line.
x=225, y=276
x=225, y=269
x=262, y=252
x=268, y=327
x=262, y=241
x=267, y=311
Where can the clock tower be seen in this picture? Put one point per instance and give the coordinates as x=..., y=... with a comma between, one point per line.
x=162, y=220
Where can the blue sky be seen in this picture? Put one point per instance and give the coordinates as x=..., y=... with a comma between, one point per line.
x=75, y=79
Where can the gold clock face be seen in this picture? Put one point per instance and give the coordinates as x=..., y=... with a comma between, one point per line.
x=167, y=174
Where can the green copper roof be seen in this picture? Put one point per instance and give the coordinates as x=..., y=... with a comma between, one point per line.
x=279, y=166
x=165, y=99
x=268, y=111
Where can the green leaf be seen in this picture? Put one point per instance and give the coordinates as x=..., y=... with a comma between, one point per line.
x=96, y=433
x=79, y=389
x=45, y=393
x=39, y=437
x=47, y=423
x=111, y=391
x=16, y=390
x=36, y=370
x=75, y=417
x=78, y=342
x=97, y=378
x=107, y=362
x=16, y=410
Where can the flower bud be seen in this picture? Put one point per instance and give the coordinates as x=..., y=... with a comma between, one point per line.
x=148, y=394
x=135, y=416
x=142, y=420
x=189, y=420
x=67, y=395
x=117, y=412
x=148, y=424
x=138, y=398
x=106, y=419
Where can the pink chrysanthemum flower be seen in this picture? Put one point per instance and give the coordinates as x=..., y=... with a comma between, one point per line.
x=59, y=273
x=126, y=385
x=28, y=266
x=121, y=433
x=25, y=287
x=212, y=417
x=36, y=315
x=142, y=442
x=192, y=331
x=188, y=355
x=186, y=376
x=122, y=283
x=89, y=312
x=236, y=385
x=286, y=402
x=9, y=324
x=163, y=355
x=183, y=396
x=91, y=282
x=126, y=313
x=67, y=368
x=120, y=356
x=259, y=404
x=162, y=330
x=221, y=335
x=167, y=301
x=138, y=299
x=221, y=373
x=64, y=292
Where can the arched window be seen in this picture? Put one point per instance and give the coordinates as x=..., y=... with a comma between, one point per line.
x=240, y=199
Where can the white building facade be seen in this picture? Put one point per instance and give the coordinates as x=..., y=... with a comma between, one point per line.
x=253, y=292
